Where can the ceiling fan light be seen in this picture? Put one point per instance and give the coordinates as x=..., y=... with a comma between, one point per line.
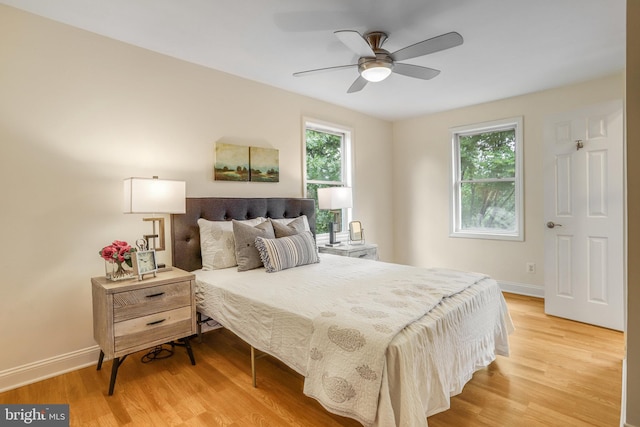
x=377, y=73
x=376, y=69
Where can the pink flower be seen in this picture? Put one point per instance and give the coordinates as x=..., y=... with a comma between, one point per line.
x=108, y=253
x=119, y=243
x=122, y=252
x=119, y=251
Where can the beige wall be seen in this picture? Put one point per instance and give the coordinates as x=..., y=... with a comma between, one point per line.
x=78, y=114
x=633, y=207
x=421, y=167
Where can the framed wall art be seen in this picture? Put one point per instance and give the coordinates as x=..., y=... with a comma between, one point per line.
x=265, y=164
x=243, y=163
x=232, y=163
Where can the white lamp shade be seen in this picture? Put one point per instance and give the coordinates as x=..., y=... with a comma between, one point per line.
x=152, y=195
x=333, y=198
x=376, y=74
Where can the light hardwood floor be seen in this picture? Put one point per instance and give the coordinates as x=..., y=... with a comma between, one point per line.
x=560, y=373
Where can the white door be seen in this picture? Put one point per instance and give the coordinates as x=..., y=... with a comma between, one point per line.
x=583, y=191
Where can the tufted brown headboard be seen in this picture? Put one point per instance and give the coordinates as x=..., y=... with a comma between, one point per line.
x=185, y=233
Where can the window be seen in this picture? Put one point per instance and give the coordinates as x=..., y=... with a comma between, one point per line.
x=327, y=163
x=487, y=180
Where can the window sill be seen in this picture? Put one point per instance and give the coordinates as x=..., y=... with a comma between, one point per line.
x=487, y=236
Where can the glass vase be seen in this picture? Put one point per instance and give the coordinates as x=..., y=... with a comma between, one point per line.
x=115, y=271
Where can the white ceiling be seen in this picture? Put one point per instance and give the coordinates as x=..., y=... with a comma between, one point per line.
x=511, y=47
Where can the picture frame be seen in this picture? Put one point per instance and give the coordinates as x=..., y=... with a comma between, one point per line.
x=264, y=164
x=244, y=163
x=232, y=162
x=356, y=233
x=144, y=262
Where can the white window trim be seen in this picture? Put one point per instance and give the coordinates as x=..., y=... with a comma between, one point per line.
x=348, y=168
x=455, y=218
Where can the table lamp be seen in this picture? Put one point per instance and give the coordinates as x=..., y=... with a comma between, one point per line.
x=154, y=196
x=334, y=199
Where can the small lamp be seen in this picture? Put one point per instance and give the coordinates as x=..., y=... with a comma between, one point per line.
x=334, y=199
x=154, y=196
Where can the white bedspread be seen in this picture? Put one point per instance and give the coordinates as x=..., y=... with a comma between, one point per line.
x=427, y=362
x=348, y=344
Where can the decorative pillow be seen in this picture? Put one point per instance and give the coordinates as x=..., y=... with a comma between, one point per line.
x=245, y=235
x=293, y=227
x=287, y=252
x=287, y=221
x=217, y=245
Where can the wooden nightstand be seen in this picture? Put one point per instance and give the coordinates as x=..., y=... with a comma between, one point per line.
x=366, y=251
x=132, y=315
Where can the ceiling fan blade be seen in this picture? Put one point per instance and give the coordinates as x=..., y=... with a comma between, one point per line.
x=425, y=47
x=322, y=70
x=416, y=71
x=358, y=85
x=354, y=41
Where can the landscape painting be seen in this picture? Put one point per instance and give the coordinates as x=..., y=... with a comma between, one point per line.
x=265, y=164
x=232, y=163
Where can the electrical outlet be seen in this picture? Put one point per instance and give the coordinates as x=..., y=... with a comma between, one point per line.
x=531, y=267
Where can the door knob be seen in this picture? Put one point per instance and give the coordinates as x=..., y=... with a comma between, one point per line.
x=552, y=224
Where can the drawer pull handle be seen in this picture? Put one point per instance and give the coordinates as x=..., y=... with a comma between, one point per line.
x=159, y=294
x=156, y=322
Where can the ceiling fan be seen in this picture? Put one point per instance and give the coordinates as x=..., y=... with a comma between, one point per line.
x=376, y=64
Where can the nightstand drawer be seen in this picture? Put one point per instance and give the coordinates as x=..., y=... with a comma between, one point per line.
x=140, y=302
x=366, y=253
x=157, y=326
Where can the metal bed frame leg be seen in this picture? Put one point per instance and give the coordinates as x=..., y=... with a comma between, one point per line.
x=253, y=366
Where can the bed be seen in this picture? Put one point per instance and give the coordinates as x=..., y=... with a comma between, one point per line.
x=385, y=344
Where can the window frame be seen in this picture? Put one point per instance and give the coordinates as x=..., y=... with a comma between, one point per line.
x=347, y=134
x=456, y=230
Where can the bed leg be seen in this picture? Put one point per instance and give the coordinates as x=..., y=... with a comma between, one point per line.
x=253, y=366
x=199, y=326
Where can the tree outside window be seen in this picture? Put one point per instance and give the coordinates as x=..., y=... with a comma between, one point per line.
x=487, y=185
x=327, y=165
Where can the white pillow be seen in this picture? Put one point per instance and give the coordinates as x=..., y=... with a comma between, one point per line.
x=217, y=245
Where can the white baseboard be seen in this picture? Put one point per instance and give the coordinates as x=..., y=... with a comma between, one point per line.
x=522, y=289
x=623, y=404
x=47, y=368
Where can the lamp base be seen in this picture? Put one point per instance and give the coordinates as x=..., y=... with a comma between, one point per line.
x=332, y=235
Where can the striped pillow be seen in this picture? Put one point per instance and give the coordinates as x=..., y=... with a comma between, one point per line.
x=287, y=252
